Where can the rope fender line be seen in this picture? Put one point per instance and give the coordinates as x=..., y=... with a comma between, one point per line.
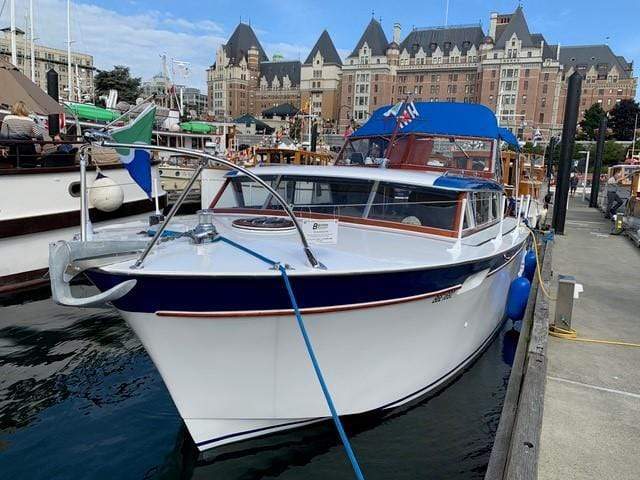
x=307, y=341
x=571, y=334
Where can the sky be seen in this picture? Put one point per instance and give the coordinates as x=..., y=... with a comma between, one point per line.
x=136, y=32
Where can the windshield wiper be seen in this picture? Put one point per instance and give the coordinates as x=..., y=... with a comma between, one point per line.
x=453, y=140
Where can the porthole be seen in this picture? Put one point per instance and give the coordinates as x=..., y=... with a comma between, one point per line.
x=159, y=172
x=177, y=174
x=74, y=189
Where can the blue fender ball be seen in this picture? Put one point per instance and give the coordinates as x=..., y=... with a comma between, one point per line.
x=517, y=298
x=529, y=265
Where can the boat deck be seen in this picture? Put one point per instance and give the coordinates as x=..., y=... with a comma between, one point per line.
x=358, y=250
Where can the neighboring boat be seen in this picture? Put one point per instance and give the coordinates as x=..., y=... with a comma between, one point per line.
x=622, y=187
x=631, y=220
x=40, y=198
x=403, y=285
x=40, y=189
x=289, y=155
x=213, y=177
x=175, y=173
x=523, y=176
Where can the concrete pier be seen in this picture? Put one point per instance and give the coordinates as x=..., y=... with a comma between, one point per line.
x=591, y=415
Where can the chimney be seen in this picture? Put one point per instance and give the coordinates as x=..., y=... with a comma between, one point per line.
x=558, y=52
x=493, y=23
x=396, y=32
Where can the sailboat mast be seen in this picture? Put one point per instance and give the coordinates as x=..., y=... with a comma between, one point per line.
x=69, y=72
x=32, y=38
x=14, y=51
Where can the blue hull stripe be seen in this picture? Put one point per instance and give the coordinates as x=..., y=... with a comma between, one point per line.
x=232, y=294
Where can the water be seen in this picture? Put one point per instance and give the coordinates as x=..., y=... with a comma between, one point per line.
x=80, y=398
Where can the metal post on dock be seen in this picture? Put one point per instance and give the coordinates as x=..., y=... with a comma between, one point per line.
x=595, y=179
x=564, y=302
x=586, y=172
x=566, y=152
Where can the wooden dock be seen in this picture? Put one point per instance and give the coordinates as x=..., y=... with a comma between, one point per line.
x=572, y=408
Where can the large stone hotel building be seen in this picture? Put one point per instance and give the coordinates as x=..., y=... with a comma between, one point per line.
x=515, y=72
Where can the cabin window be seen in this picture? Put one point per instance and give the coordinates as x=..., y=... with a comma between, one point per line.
x=438, y=152
x=331, y=196
x=485, y=207
x=249, y=194
x=414, y=205
x=364, y=151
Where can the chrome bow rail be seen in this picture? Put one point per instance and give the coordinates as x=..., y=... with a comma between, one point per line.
x=206, y=158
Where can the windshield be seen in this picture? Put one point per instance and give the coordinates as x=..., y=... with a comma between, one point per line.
x=438, y=153
x=347, y=198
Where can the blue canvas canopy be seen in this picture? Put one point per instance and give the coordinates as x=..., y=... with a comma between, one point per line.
x=441, y=118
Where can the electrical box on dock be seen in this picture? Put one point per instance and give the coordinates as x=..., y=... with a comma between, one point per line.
x=564, y=302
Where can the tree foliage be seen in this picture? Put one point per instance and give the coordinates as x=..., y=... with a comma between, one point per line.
x=529, y=148
x=622, y=119
x=591, y=121
x=119, y=79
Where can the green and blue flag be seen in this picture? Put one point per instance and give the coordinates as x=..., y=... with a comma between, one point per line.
x=137, y=161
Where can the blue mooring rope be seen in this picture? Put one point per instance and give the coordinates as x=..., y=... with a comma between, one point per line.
x=325, y=390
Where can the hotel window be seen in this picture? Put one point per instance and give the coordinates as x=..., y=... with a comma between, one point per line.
x=526, y=72
x=544, y=88
x=493, y=74
x=525, y=85
x=546, y=77
x=541, y=118
x=492, y=86
x=543, y=102
x=524, y=99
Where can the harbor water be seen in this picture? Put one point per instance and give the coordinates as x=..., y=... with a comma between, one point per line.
x=80, y=398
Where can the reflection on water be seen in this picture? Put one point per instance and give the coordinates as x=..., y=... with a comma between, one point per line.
x=79, y=398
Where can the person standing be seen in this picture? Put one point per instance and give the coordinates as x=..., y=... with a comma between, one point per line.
x=573, y=183
x=613, y=199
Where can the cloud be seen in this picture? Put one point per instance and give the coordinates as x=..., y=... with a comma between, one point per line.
x=136, y=41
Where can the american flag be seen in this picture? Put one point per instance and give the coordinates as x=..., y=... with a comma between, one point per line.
x=404, y=112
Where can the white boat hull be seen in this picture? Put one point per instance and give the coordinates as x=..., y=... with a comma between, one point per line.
x=242, y=377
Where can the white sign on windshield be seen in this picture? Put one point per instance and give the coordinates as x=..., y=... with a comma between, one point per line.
x=321, y=232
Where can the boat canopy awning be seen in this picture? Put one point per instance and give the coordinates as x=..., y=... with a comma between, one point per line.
x=90, y=112
x=440, y=118
x=196, y=127
x=15, y=86
x=508, y=136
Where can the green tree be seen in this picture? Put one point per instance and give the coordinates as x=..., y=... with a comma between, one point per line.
x=622, y=118
x=591, y=121
x=529, y=148
x=613, y=154
x=119, y=79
